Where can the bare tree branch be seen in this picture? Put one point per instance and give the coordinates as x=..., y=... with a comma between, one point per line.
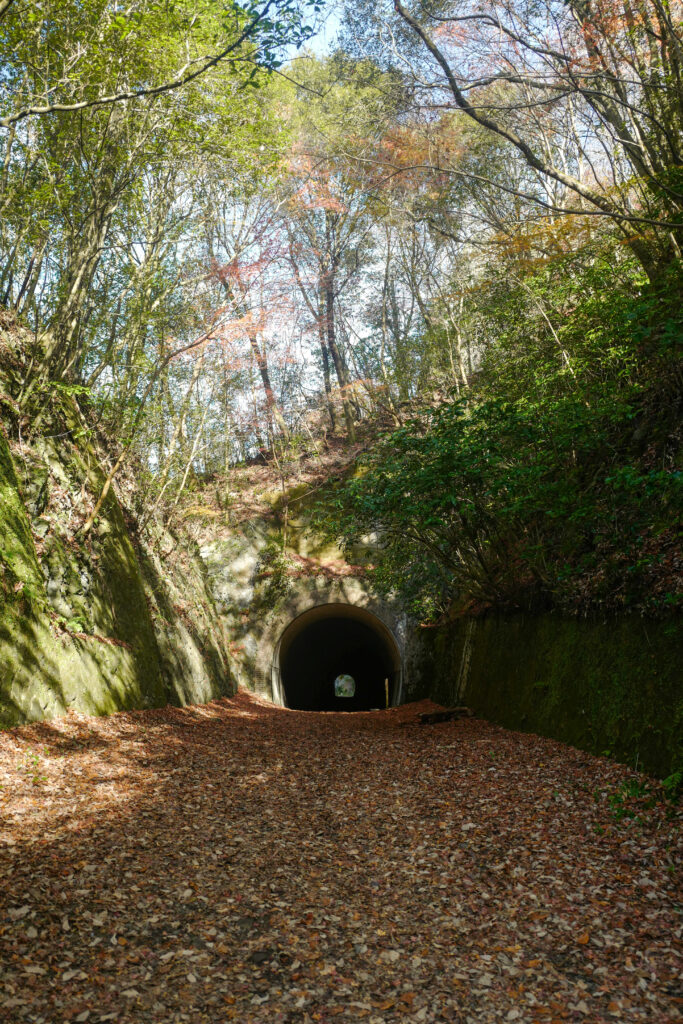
x=596, y=198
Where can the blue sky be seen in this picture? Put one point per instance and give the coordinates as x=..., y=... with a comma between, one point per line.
x=323, y=41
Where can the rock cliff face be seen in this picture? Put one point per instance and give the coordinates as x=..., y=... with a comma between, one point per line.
x=109, y=621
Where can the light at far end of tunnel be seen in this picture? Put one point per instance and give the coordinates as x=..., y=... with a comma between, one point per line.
x=326, y=645
x=345, y=686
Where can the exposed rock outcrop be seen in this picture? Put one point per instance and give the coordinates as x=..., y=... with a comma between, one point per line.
x=115, y=619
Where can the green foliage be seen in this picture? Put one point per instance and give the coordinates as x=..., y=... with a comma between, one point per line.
x=91, y=50
x=673, y=785
x=555, y=481
x=273, y=576
x=96, y=199
x=31, y=766
x=632, y=801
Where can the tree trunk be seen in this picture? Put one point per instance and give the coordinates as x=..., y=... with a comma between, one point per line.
x=340, y=368
x=325, y=352
x=273, y=410
x=318, y=315
x=328, y=278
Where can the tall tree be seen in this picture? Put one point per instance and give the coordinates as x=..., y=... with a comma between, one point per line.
x=606, y=72
x=90, y=100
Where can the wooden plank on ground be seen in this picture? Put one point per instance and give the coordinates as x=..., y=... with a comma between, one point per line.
x=447, y=715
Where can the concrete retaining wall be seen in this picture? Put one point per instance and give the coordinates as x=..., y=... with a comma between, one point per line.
x=609, y=686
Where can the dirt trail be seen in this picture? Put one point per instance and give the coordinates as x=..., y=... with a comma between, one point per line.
x=239, y=862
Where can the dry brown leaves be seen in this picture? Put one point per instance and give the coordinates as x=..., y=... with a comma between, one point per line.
x=239, y=862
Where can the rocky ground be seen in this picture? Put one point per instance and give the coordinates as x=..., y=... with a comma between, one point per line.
x=240, y=862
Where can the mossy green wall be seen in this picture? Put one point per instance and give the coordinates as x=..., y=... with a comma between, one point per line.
x=44, y=671
x=146, y=639
x=613, y=685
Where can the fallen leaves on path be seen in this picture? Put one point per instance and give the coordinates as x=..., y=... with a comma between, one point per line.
x=240, y=862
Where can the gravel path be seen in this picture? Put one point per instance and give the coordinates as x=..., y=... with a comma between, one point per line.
x=239, y=862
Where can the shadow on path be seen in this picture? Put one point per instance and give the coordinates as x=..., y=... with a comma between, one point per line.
x=238, y=861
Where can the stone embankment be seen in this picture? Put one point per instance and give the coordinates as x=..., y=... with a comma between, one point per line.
x=117, y=619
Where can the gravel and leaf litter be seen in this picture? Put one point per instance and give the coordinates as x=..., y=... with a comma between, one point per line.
x=242, y=862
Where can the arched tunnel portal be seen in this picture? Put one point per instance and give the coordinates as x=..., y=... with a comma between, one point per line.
x=328, y=641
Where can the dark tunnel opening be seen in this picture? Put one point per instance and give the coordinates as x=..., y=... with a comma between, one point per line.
x=334, y=640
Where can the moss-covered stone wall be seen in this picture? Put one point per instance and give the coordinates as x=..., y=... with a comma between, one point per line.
x=45, y=668
x=99, y=625
x=111, y=620
x=609, y=686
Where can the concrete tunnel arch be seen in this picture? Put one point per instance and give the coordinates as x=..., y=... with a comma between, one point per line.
x=330, y=639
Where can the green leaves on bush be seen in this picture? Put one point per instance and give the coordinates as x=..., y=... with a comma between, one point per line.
x=554, y=482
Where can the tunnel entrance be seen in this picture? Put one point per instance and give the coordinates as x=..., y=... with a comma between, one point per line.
x=336, y=640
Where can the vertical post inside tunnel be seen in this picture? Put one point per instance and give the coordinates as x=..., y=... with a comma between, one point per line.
x=330, y=641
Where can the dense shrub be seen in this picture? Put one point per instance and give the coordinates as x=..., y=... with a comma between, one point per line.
x=554, y=479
